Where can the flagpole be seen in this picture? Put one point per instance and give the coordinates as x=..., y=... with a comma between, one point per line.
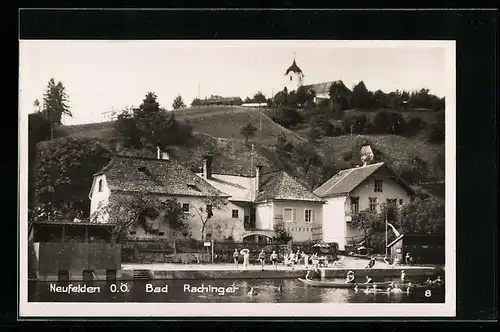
x=386, y=233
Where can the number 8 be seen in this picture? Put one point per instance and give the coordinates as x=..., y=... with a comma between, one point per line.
x=428, y=293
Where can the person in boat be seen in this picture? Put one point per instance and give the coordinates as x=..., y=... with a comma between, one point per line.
x=403, y=276
x=368, y=280
x=309, y=275
x=356, y=288
x=274, y=259
x=429, y=281
x=349, y=278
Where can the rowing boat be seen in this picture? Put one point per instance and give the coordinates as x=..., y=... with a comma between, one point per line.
x=332, y=284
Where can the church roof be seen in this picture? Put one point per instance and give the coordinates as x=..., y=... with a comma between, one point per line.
x=293, y=68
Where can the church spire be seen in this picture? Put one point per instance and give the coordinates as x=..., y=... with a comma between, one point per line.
x=294, y=68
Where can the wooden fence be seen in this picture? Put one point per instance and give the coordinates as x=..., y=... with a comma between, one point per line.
x=54, y=257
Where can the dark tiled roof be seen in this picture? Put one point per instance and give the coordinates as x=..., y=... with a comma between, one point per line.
x=293, y=68
x=347, y=180
x=324, y=88
x=155, y=176
x=281, y=186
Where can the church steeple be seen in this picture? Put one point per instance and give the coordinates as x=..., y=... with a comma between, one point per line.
x=294, y=68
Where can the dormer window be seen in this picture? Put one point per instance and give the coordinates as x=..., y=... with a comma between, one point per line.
x=291, y=79
x=193, y=186
x=99, y=186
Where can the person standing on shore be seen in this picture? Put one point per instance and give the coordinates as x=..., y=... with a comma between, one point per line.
x=235, y=257
x=246, y=259
x=262, y=258
x=274, y=259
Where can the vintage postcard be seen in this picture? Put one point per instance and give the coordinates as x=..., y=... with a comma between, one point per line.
x=237, y=178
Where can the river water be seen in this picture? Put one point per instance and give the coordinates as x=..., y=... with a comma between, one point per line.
x=267, y=291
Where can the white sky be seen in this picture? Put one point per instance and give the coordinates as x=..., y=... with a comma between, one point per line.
x=102, y=76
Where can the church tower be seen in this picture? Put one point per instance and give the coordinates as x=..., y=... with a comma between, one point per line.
x=294, y=77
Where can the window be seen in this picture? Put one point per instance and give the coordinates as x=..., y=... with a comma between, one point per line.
x=400, y=201
x=100, y=185
x=354, y=204
x=373, y=204
x=185, y=207
x=378, y=186
x=291, y=78
x=234, y=214
x=289, y=215
x=310, y=216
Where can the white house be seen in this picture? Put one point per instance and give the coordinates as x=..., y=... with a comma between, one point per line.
x=357, y=189
x=167, y=179
x=265, y=200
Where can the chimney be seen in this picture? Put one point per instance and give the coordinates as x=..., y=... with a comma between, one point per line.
x=258, y=171
x=207, y=167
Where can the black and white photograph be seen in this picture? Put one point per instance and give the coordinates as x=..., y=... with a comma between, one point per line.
x=237, y=178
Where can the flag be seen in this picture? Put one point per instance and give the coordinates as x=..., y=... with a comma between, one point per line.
x=393, y=229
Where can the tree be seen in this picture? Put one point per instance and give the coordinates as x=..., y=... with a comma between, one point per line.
x=125, y=211
x=360, y=97
x=259, y=97
x=63, y=173
x=149, y=126
x=280, y=99
x=196, y=102
x=372, y=224
x=302, y=95
x=212, y=203
x=389, y=123
x=282, y=235
x=305, y=156
x=178, y=103
x=288, y=117
x=55, y=104
x=423, y=216
x=248, y=131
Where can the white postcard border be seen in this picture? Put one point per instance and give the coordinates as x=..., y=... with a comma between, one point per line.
x=323, y=310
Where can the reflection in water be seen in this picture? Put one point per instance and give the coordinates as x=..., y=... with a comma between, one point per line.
x=270, y=291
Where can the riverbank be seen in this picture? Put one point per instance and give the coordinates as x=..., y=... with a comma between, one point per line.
x=164, y=271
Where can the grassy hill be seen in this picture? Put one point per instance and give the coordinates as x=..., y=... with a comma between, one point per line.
x=217, y=121
x=217, y=131
x=397, y=151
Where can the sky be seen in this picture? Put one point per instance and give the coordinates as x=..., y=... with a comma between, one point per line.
x=107, y=76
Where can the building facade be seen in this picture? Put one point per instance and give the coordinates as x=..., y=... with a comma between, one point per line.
x=357, y=189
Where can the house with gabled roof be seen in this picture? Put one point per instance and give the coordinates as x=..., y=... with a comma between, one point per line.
x=164, y=178
x=357, y=189
x=265, y=200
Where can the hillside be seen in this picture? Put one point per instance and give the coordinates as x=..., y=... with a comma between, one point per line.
x=217, y=121
x=398, y=151
x=217, y=132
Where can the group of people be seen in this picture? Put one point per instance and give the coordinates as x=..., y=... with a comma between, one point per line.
x=246, y=258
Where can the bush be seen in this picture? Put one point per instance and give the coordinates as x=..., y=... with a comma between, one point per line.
x=288, y=117
x=414, y=126
x=356, y=123
x=389, y=123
